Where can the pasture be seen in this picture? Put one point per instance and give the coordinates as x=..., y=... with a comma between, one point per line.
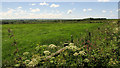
x=28, y=36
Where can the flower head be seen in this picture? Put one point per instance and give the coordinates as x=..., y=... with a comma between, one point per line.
x=75, y=54
x=52, y=46
x=86, y=60
x=33, y=63
x=46, y=52
x=44, y=45
x=82, y=53
x=25, y=53
x=27, y=61
x=37, y=57
x=71, y=44
x=37, y=48
x=74, y=48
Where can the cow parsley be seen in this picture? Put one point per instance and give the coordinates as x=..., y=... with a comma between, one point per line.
x=52, y=46
x=76, y=54
x=46, y=52
x=25, y=53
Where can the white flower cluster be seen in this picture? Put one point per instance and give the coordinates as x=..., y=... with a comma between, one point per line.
x=35, y=60
x=44, y=45
x=114, y=22
x=37, y=48
x=46, y=52
x=71, y=44
x=33, y=63
x=86, y=60
x=82, y=53
x=25, y=53
x=76, y=54
x=52, y=46
x=115, y=30
x=17, y=65
x=112, y=62
x=27, y=62
x=37, y=57
x=74, y=48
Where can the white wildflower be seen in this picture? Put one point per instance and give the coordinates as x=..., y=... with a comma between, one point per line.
x=25, y=53
x=86, y=60
x=71, y=44
x=27, y=61
x=79, y=48
x=112, y=62
x=52, y=46
x=114, y=22
x=44, y=45
x=37, y=48
x=82, y=53
x=115, y=30
x=51, y=61
x=107, y=54
x=33, y=63
x=46, y=52
x=111, y=59
x=17, y=65
x=76, y=54
x=74, y=48
x=37, y=57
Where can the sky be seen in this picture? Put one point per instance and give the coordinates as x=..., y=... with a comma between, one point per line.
x=59, y=10
x=59, y=0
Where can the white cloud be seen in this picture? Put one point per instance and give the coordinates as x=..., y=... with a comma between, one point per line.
x=44, y=3
x=69, y=11
x=30, y=8
x=111, y=11
x=13, y=13
x=28, y=15
x=103, y=0
x=57, y=11
x=35, y=10
x=19, y=7
x=33, y=4
x=54, y=5
x=84, y=10
x=104, y=11
x=9, y=11
x=8, y=8
x=87, y=9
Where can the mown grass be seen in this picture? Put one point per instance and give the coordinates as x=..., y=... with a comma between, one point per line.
x=28, y=35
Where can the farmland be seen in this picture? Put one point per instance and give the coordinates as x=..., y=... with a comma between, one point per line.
x=92, y=43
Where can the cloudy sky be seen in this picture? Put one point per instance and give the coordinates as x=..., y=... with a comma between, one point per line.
x=59, y=10
x=59, y=0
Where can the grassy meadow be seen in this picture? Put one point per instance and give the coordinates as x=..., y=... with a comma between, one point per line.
x=30, y=38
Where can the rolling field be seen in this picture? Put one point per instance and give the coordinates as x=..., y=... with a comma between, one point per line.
x=29, y=36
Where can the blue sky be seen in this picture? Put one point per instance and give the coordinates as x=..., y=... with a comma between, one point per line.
x=58, y=10
x=60, y=0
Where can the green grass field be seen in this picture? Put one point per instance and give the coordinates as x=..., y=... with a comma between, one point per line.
x=28, y=35
x=94, y=44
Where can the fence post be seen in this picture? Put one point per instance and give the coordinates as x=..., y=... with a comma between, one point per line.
x=71, y=38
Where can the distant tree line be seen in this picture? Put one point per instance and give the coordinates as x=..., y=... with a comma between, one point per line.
x=36, y=21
